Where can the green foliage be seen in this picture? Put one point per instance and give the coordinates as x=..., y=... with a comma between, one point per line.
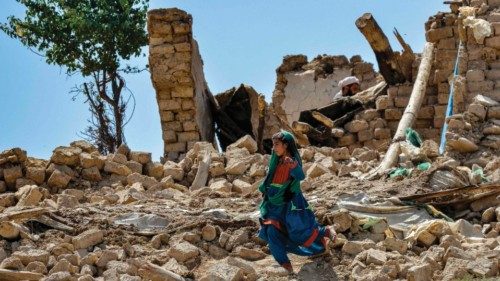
x=84, y=35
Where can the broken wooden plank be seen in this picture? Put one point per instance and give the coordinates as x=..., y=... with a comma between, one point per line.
x=15, y=215
x=386, y=58
x=200, y=180
x=323, y=119
x=54, y=224
x=456, y=199
x=409, y=115
x=12, y=275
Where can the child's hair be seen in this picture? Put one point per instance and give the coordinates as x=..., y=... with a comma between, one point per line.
x=290, y=141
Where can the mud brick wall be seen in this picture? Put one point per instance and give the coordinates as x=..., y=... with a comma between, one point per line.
x=177, y=75
x=303, y=85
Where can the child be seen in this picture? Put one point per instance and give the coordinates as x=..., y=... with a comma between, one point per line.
x=287, y=222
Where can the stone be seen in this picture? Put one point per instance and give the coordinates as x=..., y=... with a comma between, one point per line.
x=191, y=237
x=306, y=154
x=88, y=160
x=257, y=170
x=116, y=168
x=316, y=170
x=421, y=272
x=356, y=126
x=455, y=268
x=145, y=181
x=11, y=174
x=134, y=166
x=236, y=167
x=59, y=276
x=342, y=220
x=483, y=267
x=69, y=156
x=383, y=102
x=382, y=133
x=379, y=227
x=91, y=174
x=394, y=244
x=105, y=257
x=174, y=266
x=222, y=186
x=494, y=112
x=63, y=266
x=239, y=237
x=36, y=174
x=367, y=155
x=36, y=266
x=159, y=239
x=463, y=145
x=485, y=101
x=426, y=238
x=141, y=157
x=183, y=251
x=365, y=135
x=356, y=247
x=154, y=169
x=242, y=187
x=434, y=35
x=217, y=252
x=31, y=197
x=247, y=267
x=217, y=169
x=245, y=142
x=58, y=179
x=32, y=255
x=454, y=252
x=488, y=215
x=346, y=140
x=249, y=254
x=172, y=169
x=430, y=148
x=13, y=263
x=209, y=232
x=7, y=200
x=118, y=158
x=478, y=110
x=223, y=271
x=341, y=153
x=88, y=238
x=475, y=75
x=66, y=201
x=376, y=257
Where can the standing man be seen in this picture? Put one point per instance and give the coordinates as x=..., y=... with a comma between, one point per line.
x=349, y=86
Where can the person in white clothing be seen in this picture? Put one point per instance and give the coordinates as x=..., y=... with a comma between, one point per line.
x=349, y=86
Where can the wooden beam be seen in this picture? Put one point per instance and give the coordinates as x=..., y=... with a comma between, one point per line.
x=409, y=115
x=386, y=58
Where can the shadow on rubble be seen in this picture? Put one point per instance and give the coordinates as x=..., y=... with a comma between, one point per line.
x=317, y=270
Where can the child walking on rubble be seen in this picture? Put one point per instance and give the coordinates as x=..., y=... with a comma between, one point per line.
x=287, y=221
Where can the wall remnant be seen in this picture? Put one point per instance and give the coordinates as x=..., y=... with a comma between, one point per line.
x=177, y=75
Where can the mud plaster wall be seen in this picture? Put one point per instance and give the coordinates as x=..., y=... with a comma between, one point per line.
x=303, y=85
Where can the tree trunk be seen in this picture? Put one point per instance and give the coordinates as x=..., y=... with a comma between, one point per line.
x=410, y=113
x=387, y=60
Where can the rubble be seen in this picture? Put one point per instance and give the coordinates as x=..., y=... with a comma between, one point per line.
x=81, y=215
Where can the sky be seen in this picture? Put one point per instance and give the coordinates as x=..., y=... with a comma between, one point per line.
x=240, y=42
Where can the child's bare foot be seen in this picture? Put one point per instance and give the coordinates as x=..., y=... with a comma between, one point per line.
x=288, y=267
x=331, y=233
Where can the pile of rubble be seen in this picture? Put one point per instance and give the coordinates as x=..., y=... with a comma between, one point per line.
x=86, y=216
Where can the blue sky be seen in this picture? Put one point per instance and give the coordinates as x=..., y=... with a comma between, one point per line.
x=239, y=43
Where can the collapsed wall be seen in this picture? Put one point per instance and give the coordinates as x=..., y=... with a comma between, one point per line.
x=303, y=85
x=177, y=75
